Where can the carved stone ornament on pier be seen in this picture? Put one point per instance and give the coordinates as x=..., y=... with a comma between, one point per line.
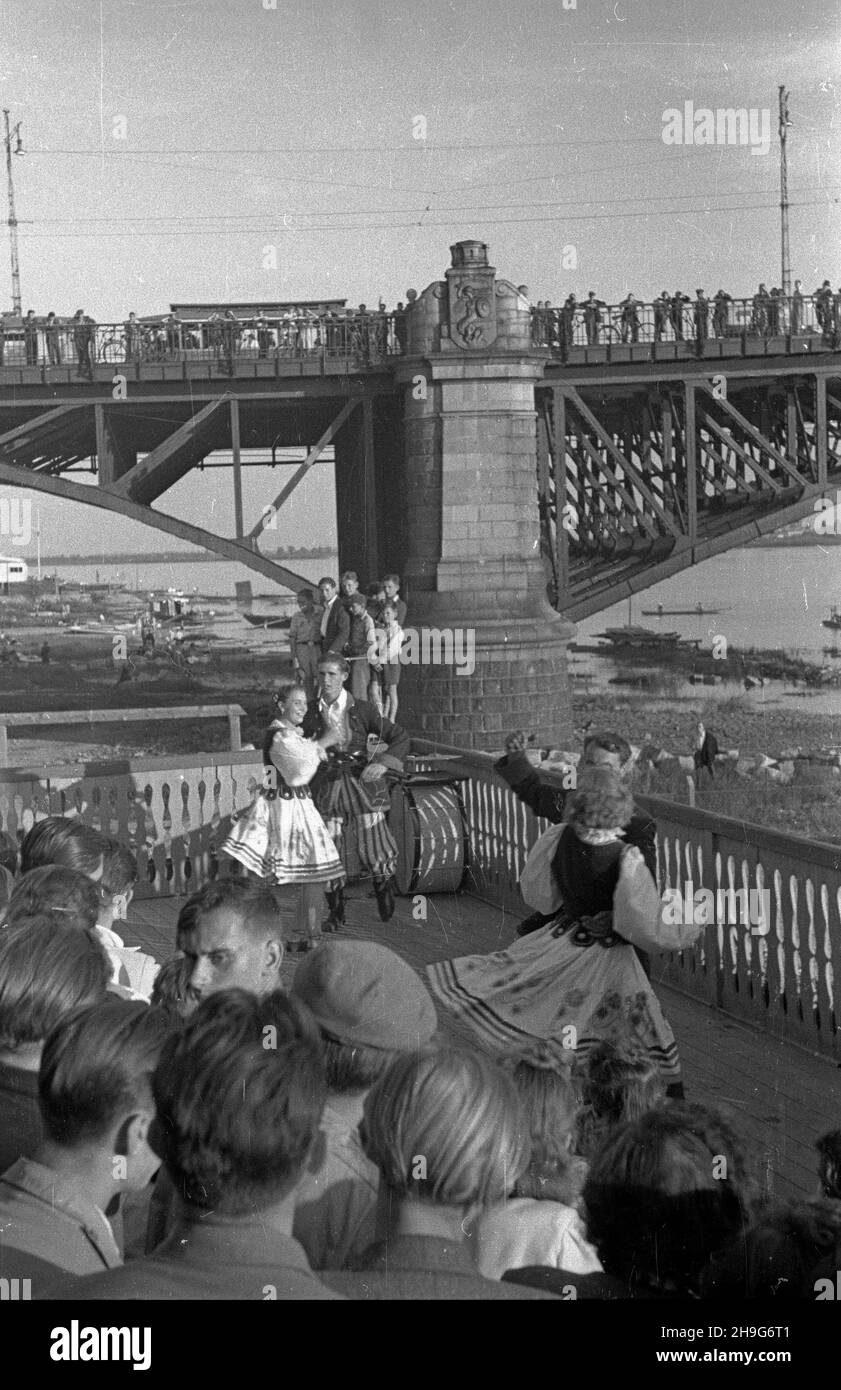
x=471, y=283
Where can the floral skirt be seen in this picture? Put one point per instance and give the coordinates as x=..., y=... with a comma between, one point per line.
x=283, y=839
x=546, y=986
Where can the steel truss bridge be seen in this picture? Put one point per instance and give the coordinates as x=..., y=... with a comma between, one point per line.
x=651, y=455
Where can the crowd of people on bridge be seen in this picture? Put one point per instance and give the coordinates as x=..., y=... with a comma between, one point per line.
x=203, y=1130
x=364, y=333
x=677, y=317
x=370, y=335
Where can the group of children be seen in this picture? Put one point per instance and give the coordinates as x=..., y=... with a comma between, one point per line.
x=370, y=641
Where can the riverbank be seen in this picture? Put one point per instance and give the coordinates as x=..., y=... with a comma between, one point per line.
x=809, y=805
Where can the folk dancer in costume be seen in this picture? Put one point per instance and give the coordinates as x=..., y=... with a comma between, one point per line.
x=548, y=800
x=281, y=837
x=576, y=982
x=351, y=790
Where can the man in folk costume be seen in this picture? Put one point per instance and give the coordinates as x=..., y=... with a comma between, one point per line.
x=351, y=788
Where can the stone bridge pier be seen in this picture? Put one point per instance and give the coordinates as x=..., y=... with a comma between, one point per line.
x=491, y=651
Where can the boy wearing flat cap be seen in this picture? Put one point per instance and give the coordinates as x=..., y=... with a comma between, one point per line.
x=371, y=1007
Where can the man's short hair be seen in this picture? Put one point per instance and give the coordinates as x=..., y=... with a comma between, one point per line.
x=656, y=1211
x=395, y=578
x=119, y=868
x=350, y=574
x=325, y=579
x=66, y=894
x=248, y=899
x=171, y=986
x=611, y=743
x=47, y=970
x=239, y=1092
x=461, y=1112
x=307, y=595
x=62, y=840
x=334, y=659
x=97, y=1067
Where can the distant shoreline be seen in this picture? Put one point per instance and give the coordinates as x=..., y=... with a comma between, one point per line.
x=178, y=557
x=200, y=557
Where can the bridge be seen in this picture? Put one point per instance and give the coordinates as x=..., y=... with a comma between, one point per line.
x=521, y=466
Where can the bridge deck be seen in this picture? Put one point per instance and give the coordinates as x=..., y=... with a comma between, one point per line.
x=779, y=1097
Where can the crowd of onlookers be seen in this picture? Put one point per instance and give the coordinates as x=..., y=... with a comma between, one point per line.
x=369, y=334
x=365, y=627
x=676, y=317
x=233, y=1139
x=372, y=334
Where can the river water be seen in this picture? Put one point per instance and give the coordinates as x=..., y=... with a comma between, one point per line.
x=769, y=598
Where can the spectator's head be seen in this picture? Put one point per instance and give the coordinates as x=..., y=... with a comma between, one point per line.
x=445, y=1130
x=171, y=990
x=829, y=1164
x=389, y=613
x=376, y=592
x=66, y=895
x=358, y=604
x=95, y=1086
x=541, y=1076
x=601, y=802
x=46, y=971
x=370, y=1006
x=327, y=589
x=63, y=840
x=777, y=1255
x=350, y=583
x=239, y=1093
x=618, y=1082
x=230, y=932
x=119, y=875
x=664, y=1194
x=606, y=750
x=306, y=598
x=391, y=585
x=333, y=671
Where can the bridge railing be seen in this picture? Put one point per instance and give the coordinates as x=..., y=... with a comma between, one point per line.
x=359, y=338
x=777, y=970
x=761, y=318
x=774, y=967
x=173, y=812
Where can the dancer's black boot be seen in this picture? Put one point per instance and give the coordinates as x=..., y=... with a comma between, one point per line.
x=384, y=890
x=335, y=919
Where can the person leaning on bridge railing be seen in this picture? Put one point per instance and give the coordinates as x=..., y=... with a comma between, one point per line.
x=52, y=337
x=84, y=340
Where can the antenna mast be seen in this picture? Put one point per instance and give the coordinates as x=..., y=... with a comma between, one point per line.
x=13, y=222
x=784, y=244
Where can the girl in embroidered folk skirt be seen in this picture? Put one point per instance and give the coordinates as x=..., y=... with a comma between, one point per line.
x=282, y=837
x=576, y=981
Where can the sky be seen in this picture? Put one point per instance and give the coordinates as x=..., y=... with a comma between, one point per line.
x=262, y=149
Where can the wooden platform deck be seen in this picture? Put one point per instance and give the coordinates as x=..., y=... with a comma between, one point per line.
x=779, y=1097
